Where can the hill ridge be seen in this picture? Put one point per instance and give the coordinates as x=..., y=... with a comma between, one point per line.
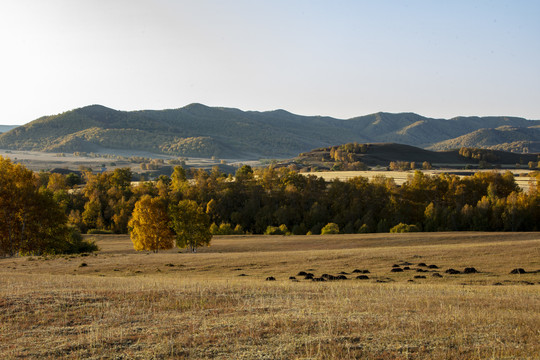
x=200, y=130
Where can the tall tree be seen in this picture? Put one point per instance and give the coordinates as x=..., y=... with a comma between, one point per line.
x=149, y=225
x=191, y=225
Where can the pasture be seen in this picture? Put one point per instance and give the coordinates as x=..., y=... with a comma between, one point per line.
x=120, y=304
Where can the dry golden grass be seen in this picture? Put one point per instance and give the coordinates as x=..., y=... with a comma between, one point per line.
x=125, y=305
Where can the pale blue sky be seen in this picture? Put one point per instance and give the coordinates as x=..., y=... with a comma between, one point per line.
x=335, y=58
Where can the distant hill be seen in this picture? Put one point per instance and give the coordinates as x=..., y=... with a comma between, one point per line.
x=501, y=138
x=199, y=130
x=355, y=156
x=6, y=128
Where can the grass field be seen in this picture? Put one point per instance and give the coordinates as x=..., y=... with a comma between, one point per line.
x=120, y=304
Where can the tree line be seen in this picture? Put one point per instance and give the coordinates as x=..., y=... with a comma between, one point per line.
x=280, y=201
x=251, y=201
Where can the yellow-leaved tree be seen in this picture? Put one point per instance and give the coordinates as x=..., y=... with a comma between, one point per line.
x=149, y=225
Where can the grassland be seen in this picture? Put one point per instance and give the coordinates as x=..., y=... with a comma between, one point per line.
x=120, y=304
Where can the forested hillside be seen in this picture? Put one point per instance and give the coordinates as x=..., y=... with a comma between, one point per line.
x=198, y=130
x=354, y=156
x=505, y=138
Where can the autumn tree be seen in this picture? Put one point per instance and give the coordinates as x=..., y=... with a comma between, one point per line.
x=191, y=225
x=31, y=220
x=149, y=225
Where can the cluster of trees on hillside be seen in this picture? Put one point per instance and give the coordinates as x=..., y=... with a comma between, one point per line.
x=479, y=154
x=268, y=200
x=347, y=157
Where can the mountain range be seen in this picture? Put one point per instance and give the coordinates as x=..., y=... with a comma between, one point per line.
x=199, y=130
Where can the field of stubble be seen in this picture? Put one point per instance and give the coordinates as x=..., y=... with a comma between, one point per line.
x=120, y=304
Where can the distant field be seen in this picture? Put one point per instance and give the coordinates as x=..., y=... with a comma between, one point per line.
x=37, y=161
x=216, y=304
x=401, y=176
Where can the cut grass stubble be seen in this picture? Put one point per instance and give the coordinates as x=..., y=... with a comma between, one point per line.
x=200, y=308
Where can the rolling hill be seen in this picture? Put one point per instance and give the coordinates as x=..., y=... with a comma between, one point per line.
x=381, y=154
x=505, y=138
x=199, y=130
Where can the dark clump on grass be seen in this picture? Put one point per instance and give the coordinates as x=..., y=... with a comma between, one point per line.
x=406, y=268
x=421, y=270
x=422, y=264
x=397, y=270
x=270, y=278
x=308, y=276
x=301, y=273
x=342, y=277
x=318, y=279
x=518, y=271
x=83, y=265
x=419, y=277
x=453, y=271
x=169, y=265
x=433, y=267
x=365, y=272
x=385, y=280
x=395, y=266
x=292, y=278
x=437, y=275
x=470, y=270
x=362, y=277
x=329, y=277
x=242, y=275
x=357, y=271
x=343, y=273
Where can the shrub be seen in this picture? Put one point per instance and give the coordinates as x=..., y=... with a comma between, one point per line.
x=77, y=245
x=274, y=230
x=364, y=229
x=404, y=228
x=330, y=228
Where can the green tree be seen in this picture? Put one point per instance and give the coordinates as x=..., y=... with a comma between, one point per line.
x=191, y=225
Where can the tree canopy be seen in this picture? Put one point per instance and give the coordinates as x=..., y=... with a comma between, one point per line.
x=191, y=225
x=149, y=225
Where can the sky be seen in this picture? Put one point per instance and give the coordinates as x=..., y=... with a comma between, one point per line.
x=333, y=58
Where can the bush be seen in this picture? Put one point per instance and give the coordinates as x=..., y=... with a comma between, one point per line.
x=404, y=228
x=226, y=229
x=77, y=245
x=364, y=229
x=274, y=230
x=330, y=228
